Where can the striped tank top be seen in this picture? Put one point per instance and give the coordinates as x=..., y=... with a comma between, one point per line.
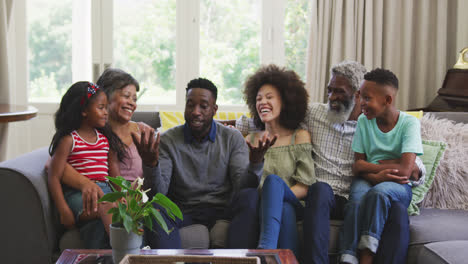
x=90, y=159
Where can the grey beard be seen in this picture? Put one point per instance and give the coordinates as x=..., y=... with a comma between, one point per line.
x=339, y=117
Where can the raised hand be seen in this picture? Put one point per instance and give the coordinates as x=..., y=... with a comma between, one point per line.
x=264, y=143
x=147, y=144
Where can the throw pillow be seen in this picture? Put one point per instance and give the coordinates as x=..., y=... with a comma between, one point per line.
x=448, y=190
x=172, y=119
x=433, y=151
x=417, y=114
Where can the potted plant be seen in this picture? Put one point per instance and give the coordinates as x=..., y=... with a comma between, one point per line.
x=133, y=211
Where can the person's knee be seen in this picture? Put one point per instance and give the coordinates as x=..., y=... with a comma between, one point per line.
x=272, y=180
x=319, y=192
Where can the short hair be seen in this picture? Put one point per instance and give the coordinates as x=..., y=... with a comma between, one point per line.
x=113, y=79
x=294, y=96
x=382, y=77
x=204, y=84
x=351, y=70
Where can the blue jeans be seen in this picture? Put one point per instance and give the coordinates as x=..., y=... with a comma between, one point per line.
x=279, y=207
x=322, y=205
x=242, y=232
x=366, y=213
x=92, y=232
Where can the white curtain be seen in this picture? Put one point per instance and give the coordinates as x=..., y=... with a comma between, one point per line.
x=5, y=15
x=414, y=39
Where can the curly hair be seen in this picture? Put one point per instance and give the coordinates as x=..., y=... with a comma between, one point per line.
x=113, y=79
x=351, y=70
x=382, y=77
x=294, y=96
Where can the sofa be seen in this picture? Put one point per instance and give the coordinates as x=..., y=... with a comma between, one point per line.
x=31, y=232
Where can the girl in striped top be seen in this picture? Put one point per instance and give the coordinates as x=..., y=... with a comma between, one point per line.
x=83, y=139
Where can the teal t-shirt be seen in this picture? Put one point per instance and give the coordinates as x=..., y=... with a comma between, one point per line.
x=405, y=137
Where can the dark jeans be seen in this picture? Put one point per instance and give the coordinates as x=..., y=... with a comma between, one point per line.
x=242, y=233
x=94, y=234
x=322, y=204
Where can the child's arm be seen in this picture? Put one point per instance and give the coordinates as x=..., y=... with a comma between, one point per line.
x=57, y=165
x=377, y=173
x=404, y=165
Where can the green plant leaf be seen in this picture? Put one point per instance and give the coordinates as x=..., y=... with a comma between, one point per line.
x=157, y=215
x=128, y=223
x=171, y=208
x=111, y=197
x=117, y=180
x=148, y=222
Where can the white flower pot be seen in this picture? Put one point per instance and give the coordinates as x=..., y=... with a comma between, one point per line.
x=123, y=243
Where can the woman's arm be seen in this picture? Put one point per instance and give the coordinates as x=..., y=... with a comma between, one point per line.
x=300, y=190
x=90, y=192
x=303, y=167
x=57, y=166
x=114, y=169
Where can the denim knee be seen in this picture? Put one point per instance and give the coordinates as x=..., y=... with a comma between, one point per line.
x=319, y=192
x=272, y=180
x=375, y=195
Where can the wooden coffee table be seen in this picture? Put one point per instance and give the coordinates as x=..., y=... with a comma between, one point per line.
x=91, y=256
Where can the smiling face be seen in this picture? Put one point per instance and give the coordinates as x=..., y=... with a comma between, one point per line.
x=95, y=114
x=268, y=103
x=200, y=107
x=123, y=103
x=373, y=99
x=340, y=99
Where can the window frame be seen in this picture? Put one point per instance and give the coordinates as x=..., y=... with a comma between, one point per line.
x=99, y=55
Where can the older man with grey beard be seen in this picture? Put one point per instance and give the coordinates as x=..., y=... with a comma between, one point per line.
x=332, y=128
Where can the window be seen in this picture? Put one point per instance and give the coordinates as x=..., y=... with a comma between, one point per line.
x=229, y=45
x=49, y=30
x=296, y=35
x=145, y=46
x=163, y=44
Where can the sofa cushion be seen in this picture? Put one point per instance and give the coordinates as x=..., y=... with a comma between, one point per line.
x=435, y=225
x=172, y=119
x=448, y=190
x=433, y=151
x=444, y=252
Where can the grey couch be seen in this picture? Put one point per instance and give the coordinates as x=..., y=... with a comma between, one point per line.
x=31, y=233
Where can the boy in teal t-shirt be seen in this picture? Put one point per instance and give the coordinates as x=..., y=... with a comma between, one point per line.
x=386, y=145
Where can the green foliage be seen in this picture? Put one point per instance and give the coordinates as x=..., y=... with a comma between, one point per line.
x=133, y=208
x=296, y=34
x=145, y=44
x=50, y=47
x=229, y=45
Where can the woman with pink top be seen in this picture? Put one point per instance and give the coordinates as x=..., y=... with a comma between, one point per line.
x=120, y=88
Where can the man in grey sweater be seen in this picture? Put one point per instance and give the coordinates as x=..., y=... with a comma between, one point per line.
x=206, y=169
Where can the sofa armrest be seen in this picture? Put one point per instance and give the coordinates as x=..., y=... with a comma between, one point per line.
x=28, y=219
x=150, y=118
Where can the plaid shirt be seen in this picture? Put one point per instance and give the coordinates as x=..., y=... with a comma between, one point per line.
x=331, y=146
